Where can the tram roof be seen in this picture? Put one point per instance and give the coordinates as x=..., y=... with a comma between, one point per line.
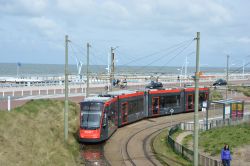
x=120, y=92
x=97, y=99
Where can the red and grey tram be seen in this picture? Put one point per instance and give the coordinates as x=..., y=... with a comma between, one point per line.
x=101, y=116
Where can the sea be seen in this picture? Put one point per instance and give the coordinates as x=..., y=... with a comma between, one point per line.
x=31, y=70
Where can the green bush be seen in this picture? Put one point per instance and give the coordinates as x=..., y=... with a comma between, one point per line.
x=247, y=93
x=215, y=95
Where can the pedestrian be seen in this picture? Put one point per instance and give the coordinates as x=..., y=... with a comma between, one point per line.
x=226, y=156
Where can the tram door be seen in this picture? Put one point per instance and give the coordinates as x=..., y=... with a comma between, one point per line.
x=190, y=102
x=155, y=105
x=124, y=112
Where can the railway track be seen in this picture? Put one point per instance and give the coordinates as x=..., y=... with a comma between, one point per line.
x=131, y=145
x=148, y=157
x=144, y=145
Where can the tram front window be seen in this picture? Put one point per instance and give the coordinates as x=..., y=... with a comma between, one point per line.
x=91, y=115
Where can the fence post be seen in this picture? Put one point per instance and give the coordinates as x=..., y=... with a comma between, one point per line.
x=9, y=107
x=22, y=92
x=13, y=93
x=182, y=151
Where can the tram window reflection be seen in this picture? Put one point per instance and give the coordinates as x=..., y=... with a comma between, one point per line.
x=169, y=101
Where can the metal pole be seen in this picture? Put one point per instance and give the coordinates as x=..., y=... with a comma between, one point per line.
x=87, y=90
x=243, y=69
x=108, y=68
x=17, y=71
x=180, y=77
x=66, y=106
x=196, y=116
x=112, y=68
x=207, y=118
x=186, y=63
x=227, y=74
x=171, y=120
x=113, y=64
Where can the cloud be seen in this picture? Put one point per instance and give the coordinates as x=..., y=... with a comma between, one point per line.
x=75, y=6
x=245, y=40
x=43, y=23
x=142, y=26
x=47, y=27
x=161, y=16
x=23, y=7
x=34, y=6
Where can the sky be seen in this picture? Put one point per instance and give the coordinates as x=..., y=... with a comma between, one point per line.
x=144, y=32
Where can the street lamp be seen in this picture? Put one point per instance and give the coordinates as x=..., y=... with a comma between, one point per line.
x=18, y=69
x=112, y=67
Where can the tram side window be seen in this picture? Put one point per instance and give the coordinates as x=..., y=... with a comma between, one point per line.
x=162, y=102
x=155, y=104
x=190, y=101
x=132, y=107
x=109, y=116
x=140, y=105
x=112, y=114
x=124, y=112
x=170, y=101
x=124, y=107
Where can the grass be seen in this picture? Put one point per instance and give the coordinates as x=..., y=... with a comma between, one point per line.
x=243, y=89
x=186, y=140
x=178, y=132
x=33, y=134
x=213, y=140
x=216, y=95
x=164, y=153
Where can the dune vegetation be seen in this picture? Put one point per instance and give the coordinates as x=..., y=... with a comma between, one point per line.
x=243, y=89
x=213, y=140
x=33, y=134
x=215, y=95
